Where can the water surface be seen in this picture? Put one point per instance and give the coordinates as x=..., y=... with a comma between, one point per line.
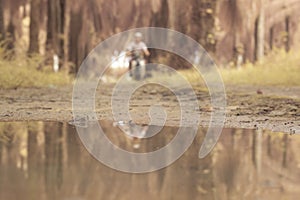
x=46, y=160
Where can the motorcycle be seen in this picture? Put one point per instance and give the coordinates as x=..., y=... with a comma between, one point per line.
x=138, y=67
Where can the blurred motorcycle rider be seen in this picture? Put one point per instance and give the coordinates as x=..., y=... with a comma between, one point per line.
x=136, y=50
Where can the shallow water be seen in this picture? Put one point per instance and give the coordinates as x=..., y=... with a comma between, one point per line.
x=46, y=160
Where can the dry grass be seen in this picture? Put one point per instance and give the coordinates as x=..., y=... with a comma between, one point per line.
x=278, y=69
x=23, y=72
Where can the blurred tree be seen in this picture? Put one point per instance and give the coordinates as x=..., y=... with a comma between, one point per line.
x=55, y=26
x=34, y=26
x=287, y=36
x=67, y=19
x=2, y=27
x=76, y=24
x=75, y=27
x=232, y=12
x=260, y=32
x=14, y=28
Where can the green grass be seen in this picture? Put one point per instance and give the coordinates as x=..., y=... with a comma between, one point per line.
x=24, y=73
x=278, y=69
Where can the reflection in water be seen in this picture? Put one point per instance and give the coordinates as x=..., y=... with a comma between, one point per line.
x=46, y=160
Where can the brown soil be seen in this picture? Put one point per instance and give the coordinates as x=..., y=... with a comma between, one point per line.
x=274, y=108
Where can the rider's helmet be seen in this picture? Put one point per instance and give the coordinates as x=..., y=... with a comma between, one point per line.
x=138, y=35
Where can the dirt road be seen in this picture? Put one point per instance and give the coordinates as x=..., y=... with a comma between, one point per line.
x=276, y=109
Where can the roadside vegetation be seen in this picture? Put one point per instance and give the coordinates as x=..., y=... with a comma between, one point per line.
x=277, y=69
x=27, y=72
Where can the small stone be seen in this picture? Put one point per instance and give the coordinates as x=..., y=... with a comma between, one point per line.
x=153, y=92
x=259, y=91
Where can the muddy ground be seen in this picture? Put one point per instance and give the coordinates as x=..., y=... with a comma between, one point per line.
x=272, y=108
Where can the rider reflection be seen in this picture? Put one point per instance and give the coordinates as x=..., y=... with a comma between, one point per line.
x=132, y=130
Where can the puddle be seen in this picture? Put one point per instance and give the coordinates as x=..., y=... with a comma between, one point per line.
x=46, y=160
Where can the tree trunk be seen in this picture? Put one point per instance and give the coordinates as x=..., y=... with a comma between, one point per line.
x=67, y=20
x=74, y=34
x=55, y=26
x=271, y=39
x=260, y=32
x=10, y=34
x=287, y=36
x=34, y=27
x=2, y=27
